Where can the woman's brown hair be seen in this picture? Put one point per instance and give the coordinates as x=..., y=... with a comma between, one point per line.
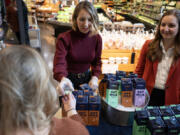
x=91, y=10
x=155, y=51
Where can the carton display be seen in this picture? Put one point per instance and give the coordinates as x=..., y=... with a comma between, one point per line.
x=120, y=74
x=156, y=121
x=140, y=121
x=132, y=75
x=82, y=107
x=175, y=109
x=166, y=111
x=155, y=126
x=94, y=110
x=88, y=105
x=172, y=125
x=102, y=87
x=112, y=93
x=153, y=111
x=139, y=92
x=126, y=92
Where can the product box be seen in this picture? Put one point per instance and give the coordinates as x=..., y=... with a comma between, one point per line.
x=176, y=109
x=126, y=92
x=155, y=126
x=120, y=91
x=140, y=121
x=94, y=110
x=112, y=93
x=153, y=111
x=85, y=86
x=166, y=111
x=172, y=125
x=132, y=75
x=82, y=107
x=120, y=74
x=88, y=93
x=110, y=76
x=139, y=92
x=102, y=87
x=75, y=93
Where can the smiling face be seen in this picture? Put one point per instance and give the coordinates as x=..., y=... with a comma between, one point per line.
x=84, y=21
x=169, y=27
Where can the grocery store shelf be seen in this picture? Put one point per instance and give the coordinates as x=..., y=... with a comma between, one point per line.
x=134, y=19
x=126, y=67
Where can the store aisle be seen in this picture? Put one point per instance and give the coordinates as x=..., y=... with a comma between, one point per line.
x=47, y=43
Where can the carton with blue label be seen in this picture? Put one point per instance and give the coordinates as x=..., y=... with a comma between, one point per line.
x=94, y=110
x=175, y=109
x=166, y=111
x=102, y=87
x=120, y=74
x=126, y=92
x=112, y=93
x=82, y=107
x=139, y=92
x=153, y=111
x=156, y=126
x=140, y=121
x=172, y=125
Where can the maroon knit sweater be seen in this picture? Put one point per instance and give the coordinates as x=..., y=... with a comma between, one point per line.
x=76, y=53
x=69, y=126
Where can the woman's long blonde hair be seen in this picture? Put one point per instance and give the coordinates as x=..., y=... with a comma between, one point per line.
x=28, y=98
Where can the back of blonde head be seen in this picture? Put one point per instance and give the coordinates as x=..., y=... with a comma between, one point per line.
x=27, y=97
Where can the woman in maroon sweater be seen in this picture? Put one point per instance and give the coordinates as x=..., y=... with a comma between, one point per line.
x=79, y=50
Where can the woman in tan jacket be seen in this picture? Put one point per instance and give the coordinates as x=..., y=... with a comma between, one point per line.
x=28, y=99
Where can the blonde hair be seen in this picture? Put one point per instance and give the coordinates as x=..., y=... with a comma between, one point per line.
x=91, y=10
x=28, y=99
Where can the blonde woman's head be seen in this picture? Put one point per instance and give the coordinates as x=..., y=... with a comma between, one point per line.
x=28, y=98
x=85, y=18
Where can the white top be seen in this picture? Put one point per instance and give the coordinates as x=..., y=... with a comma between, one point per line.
x=163, y=67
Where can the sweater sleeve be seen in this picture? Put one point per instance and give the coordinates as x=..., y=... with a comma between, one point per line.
x=68, y=126
x=96, y=64
x=142, y=60
x=60, y=63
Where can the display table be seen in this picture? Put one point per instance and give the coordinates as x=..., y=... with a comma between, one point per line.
x=59, y=27
x=105, y=128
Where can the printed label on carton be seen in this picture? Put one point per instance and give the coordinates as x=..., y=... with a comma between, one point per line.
x=126, y=98
x=82, y=107
x=139, y=97
x=112, y=97
x=94, y=110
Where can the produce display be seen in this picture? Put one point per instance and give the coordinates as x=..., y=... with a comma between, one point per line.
x=125, y=40
x=49, y=7
x=65, y=15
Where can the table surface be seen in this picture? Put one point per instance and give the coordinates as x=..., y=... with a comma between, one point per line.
x=104, y=128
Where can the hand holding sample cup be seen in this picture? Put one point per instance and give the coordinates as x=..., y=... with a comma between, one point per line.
x=93, y=83
x=69, y=104
x=64, y=86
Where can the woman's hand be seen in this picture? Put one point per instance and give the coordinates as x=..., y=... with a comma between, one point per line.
x=64, y=85
x=69, y=103
x=93, y=83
